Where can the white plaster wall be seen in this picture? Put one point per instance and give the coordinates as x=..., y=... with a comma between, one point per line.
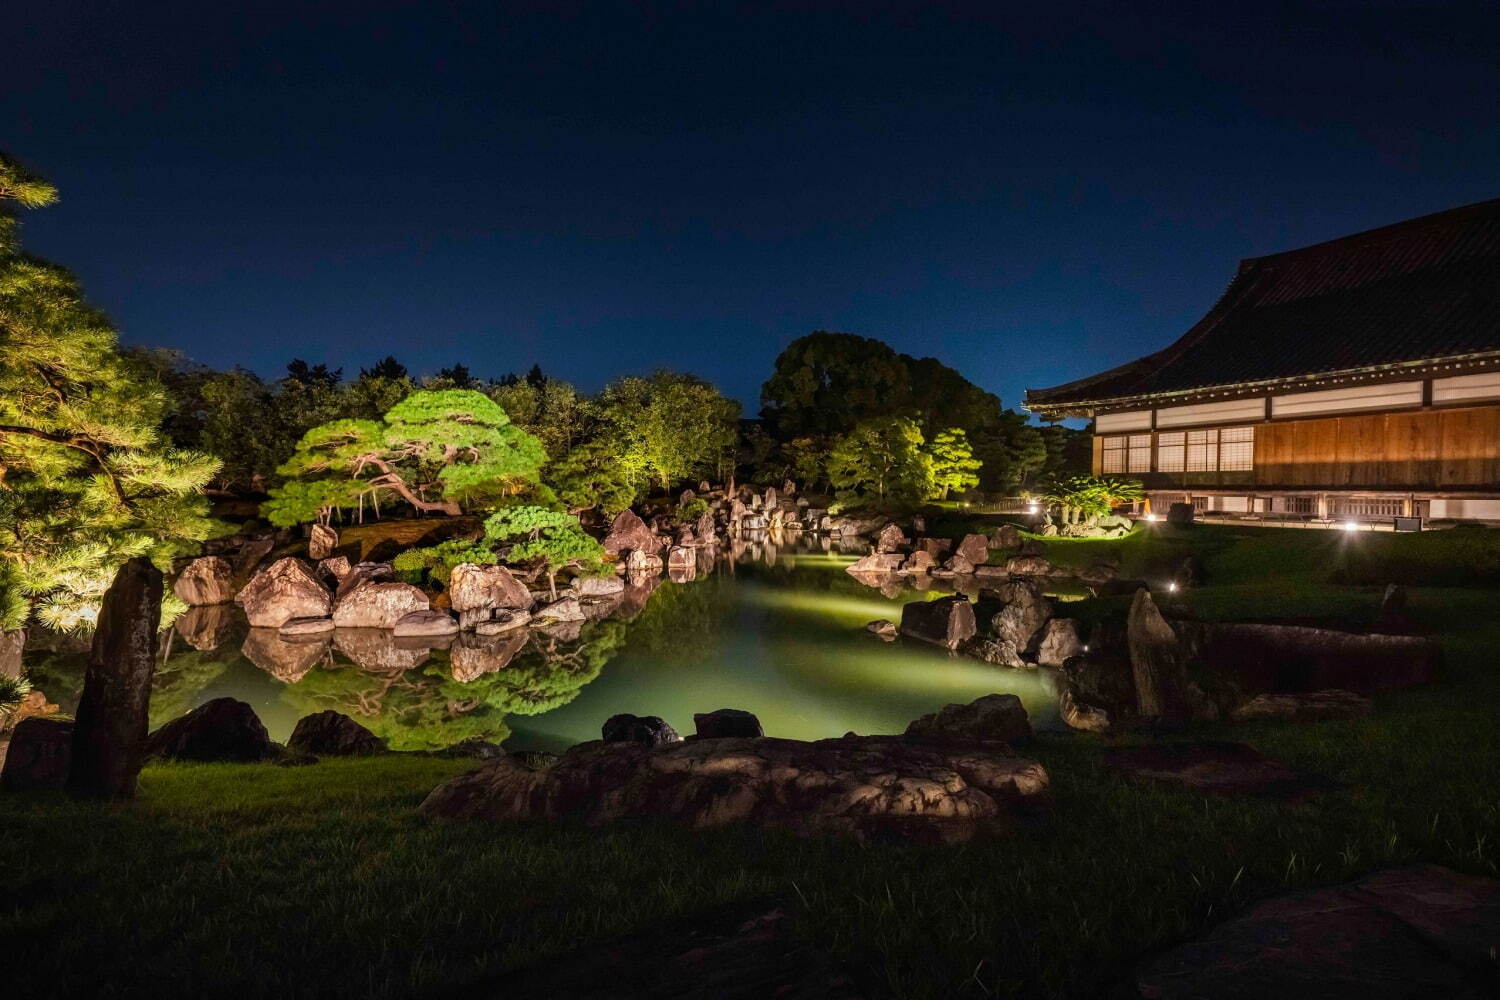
x=1350, y=399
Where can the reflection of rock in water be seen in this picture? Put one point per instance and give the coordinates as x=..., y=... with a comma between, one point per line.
x=562, y=631
x=600, y=608
x=416, y=643
x=210, y=626
x=683, y=574
x=473, y=656
x=705, y=560
x=286, y=660
x=375, y=650
x=638, y=590
x=889, y=584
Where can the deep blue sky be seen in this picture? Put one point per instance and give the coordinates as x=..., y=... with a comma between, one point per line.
x=1029, y=192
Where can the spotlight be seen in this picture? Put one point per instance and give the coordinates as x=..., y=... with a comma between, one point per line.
x=1349, y=526
x=1151, y=517
x=1172, y=587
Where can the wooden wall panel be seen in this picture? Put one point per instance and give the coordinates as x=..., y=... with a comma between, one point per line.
x=1452, y=448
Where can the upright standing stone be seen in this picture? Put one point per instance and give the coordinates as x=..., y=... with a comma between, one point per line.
x=109, y=732
x=1155, y=661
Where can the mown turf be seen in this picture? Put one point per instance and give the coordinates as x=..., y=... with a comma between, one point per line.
x=321, y=881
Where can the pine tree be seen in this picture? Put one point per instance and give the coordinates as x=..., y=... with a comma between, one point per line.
x=87, y=479
x=539, y=534
x=881, y=463
x=436, y=450
x=954, y=466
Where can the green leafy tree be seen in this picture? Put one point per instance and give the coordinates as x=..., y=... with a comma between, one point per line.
x=87, y=479
x=669, y=427
x=881, y=463
x=591, y=476
x=954, y=466
x=436, y=450
x=553, y=538
x=825, y=384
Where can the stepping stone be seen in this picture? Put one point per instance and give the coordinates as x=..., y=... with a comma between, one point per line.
x=1215, y=768
x=1418, y=933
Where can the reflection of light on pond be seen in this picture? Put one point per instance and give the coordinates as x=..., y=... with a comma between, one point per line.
x=824, y=602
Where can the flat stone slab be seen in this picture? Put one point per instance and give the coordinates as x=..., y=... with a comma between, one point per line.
x=1418, y=933
x=743, y=951
x=862, y=786
x=1215, y=768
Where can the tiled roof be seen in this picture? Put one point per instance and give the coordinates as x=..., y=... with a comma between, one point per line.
x=1417, y=290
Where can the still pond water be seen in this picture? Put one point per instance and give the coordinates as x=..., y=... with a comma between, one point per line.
x=780, y=635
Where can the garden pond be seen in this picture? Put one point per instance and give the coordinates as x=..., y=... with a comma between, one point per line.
x=775, y=632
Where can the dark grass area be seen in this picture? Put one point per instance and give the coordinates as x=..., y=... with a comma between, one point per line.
x=321, y=881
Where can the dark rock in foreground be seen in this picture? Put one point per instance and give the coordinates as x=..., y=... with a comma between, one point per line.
x=739, y=952
x=222, y=730
x=109, y=732
x=332, y=734
x=1313, y=706
x=727, y=722
x=1419, y=933
x=38, y=756
x=647, y=730
x=857, y=786
x=1215, y=768
x=995, y=718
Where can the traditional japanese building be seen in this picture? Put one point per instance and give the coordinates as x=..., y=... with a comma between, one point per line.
x=1357, y=379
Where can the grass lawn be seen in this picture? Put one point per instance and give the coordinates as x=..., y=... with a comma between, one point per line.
x=322, y=881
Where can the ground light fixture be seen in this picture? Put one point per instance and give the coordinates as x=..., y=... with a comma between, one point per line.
x=1349, y=526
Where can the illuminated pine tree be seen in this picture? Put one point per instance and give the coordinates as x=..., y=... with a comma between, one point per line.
x=954, y=466
x=87, y=479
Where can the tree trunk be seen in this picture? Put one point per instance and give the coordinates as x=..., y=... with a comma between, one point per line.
x=109, y=735
x=12, y=645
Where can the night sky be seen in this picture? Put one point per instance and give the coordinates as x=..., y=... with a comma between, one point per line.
x=1029, y=192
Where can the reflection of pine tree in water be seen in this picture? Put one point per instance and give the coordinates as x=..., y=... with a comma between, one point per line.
x=425, y=708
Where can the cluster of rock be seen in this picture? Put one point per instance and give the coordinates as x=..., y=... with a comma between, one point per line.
x=971, y=561
x=1178, y=670
x=952, y=777
x=1012, y=624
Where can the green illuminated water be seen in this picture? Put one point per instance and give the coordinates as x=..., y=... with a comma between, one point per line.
x=784, y=641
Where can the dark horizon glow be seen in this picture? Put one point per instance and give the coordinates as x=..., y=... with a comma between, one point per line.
x=1028, y=195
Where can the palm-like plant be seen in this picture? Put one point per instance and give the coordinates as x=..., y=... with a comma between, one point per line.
x=1083, y=500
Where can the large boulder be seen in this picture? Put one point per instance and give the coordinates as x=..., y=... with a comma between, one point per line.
x=1007, y=537
x=565, y=610
x=598, y=586
x=1416, y=933
x=477, y=593
x=727, y=723
x=1060, y=642
x=1024, y=611
x=1257, y=658
x=206, y=580
x=222, y=731
x=647, y=730
x=629, y=532
x=999, y=652
x=362, y=573
x=890, y=539
x=994, y=718
x=321, y=542
x=1156, y=661
x=1027, y=565
x=877, y=562
x=947, y=621
x=856, y=786
x=429, y=621
x=109, y=729
x=286, y=589
x=974, y=548
x=39, y=754
x=331, y=734
x=378, y=605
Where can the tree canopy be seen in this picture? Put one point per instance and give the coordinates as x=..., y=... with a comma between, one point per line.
x=881, y=463
x=87, y=479
x=436, y=450
x=669, y=427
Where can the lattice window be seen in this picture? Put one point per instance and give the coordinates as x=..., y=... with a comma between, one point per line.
x=1237, y=449
x=1114, y=454
x=1171, y=455
x=1140, y=453
x=1202, y=451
